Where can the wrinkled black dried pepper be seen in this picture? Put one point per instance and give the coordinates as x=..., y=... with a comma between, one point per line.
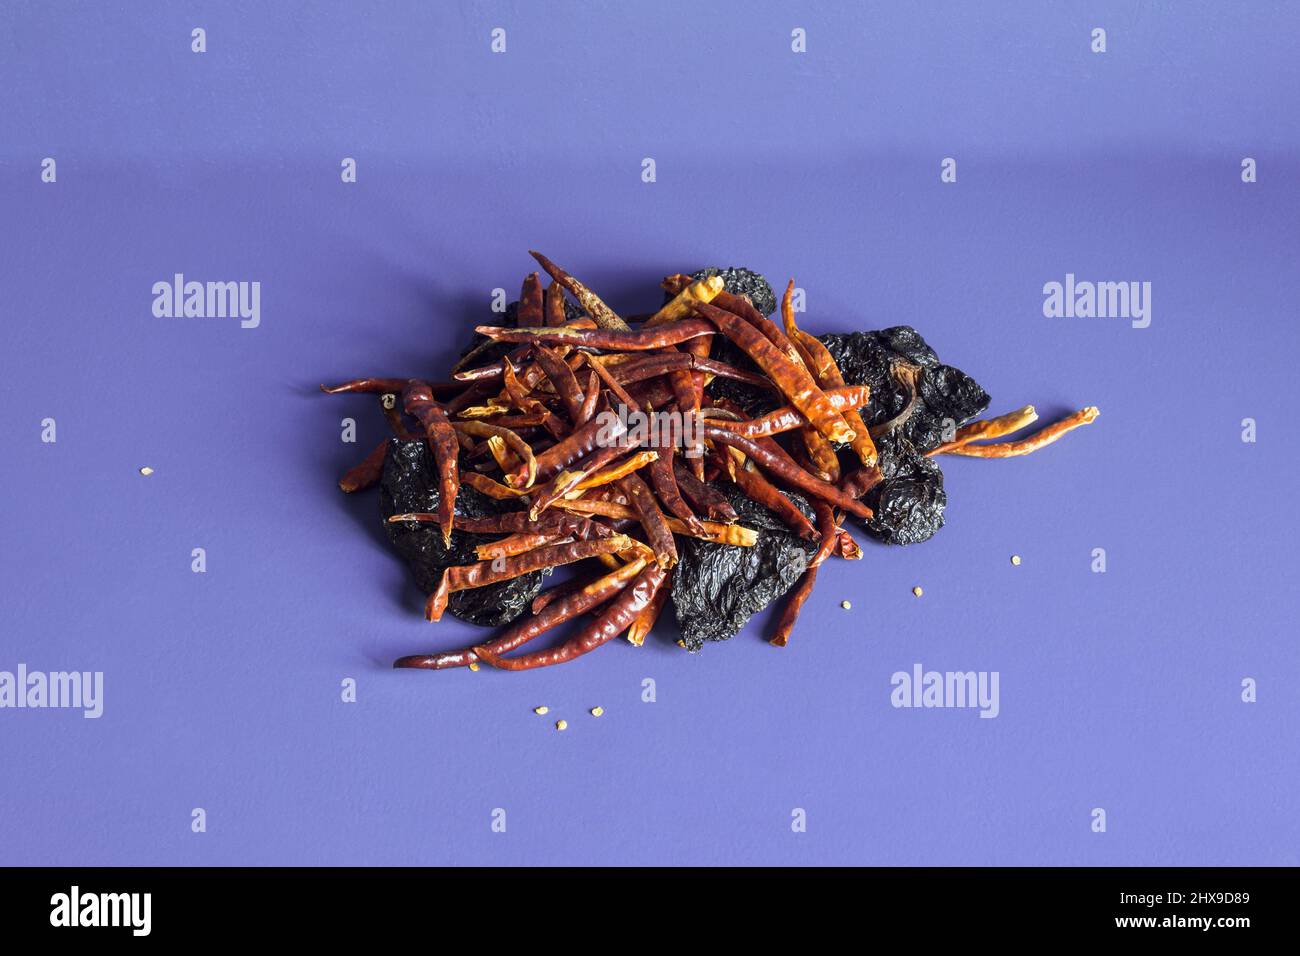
x=410, y=484
x=718, y=587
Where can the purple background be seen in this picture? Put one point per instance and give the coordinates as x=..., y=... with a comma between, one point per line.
x=1118, y=690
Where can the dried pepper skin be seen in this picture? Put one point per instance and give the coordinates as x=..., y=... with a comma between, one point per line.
x=910, y=501
x=744, y=282
x=410, y=484
x=718, y=587
x=951, y=399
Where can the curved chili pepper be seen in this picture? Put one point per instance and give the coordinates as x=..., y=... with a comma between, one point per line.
x=616, y=619
x=600, y=431
x=516, y=444
x=1034, y=442
x=794, y=380
x=645, y=620
x=563, y=608
x=769, y=496
x=462, y=577
x=790, y=610
x=565, y=481
x=417, y=399
x=388, y=386
x=679, y=307
x=988, y=428
x=590, y=398
x=788, y=418
x=368, y=473
x=515, y=544
x=787, y=470
x=604, y=316
x=516, y=522
x=612, y=473
x=652, y=519
x=740, y=306
x=665, y=486
x=705, y=498
x=628, y=341
x=562, y=377
x=628, y=372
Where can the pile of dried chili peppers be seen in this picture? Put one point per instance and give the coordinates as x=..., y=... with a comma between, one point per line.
x=703, y=452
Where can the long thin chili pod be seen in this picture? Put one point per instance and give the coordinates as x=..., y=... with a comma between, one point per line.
x=645, y=620
x=569, y=478
x=368, y=472
x=388, y=386
x=716, y=531
x=623, y=341
x=665, y=486
x=988, y=428
x=530, y=301
x=393, y=415
x=563, y=608
x=462, y=577
x=616, y=619
x=513, y=441
x=493, y=489
x=603, y=315
x=706, y=499
x=612, y=473
x=787, y=418
x=652, y=519
x=740, y=306
x=790, y=610
x=603, y=430
x=562, y=377
x=755, y=486
x=1034, y=442
x=612, y=383
x=679, y=306
x=516, y=522
x=787, y=471
x=628, y=372
x=590, y=397
x=827, y=373
x=417, y=399
x=793, y=380
x=508, y=547
x=828, y=528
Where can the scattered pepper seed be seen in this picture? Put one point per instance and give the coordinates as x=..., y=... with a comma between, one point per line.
x=1015, y=559
x=846, y=605
x=473, y=665
x=541, y=710
x=146, y=471
x=389, y=400
x=917, y=591
x=561, y=724
x=597, y=711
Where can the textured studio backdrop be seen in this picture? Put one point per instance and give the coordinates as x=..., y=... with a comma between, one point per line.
x=370, y=173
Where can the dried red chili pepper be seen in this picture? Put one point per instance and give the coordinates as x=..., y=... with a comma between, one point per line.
x=516, y=522
x=1034, y=442
x=564, y=607
x=367, y=473
x=705, y=498
x=562, y=377
x=645, y=620
x=794, y=603
x=568, y=479
x=516, y=444
x=793, y=380
x=462, y=577
x=665, y=486
x=418, y=401
x=769, y=496
x=628, y=341
x=616, y=619
x=601, y=431
x=519, y=543
x=652, y=519
x=603, y=315
x=787, y=470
